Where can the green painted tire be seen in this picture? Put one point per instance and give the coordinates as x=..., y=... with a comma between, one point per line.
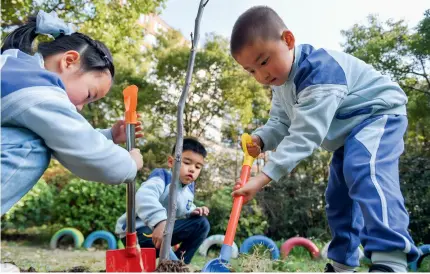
x=120, y=244
x=78, y=237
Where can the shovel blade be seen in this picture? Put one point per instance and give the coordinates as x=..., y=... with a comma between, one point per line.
x=216, y=265
x=119, y=260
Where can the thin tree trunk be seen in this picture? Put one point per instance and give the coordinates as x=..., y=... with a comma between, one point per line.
x=425, y=73
x=171, y=209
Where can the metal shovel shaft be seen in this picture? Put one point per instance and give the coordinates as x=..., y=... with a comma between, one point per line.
x=131, y=187
x=132, y=258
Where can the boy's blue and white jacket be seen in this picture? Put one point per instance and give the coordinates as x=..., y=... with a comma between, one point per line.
x=327, y=94
x=35, y=98
x=152, y=200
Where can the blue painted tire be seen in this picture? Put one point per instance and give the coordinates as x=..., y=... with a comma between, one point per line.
x=101, y=234
x=250, y=242
x=78, y=237
x=424, y=251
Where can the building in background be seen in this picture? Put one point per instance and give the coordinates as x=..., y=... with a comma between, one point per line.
x=153, y=25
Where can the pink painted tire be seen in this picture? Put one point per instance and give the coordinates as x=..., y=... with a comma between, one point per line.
x=300, y=241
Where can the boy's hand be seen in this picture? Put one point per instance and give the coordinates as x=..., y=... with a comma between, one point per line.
x=137, y=157
x=255, y=149
x=251, y=188
x=157, y=234
x=200, y=211
x=119, y=135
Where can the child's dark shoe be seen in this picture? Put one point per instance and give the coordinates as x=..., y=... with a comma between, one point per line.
x=380, y=268
x=329, y=268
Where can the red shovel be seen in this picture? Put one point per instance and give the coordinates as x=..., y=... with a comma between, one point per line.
x=132, y=258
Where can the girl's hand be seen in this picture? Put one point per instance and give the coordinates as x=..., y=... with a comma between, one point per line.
x=119, y=135
x=137, y=157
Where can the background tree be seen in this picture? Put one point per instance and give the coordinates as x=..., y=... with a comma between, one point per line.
x=220, y=88
x=404, y=54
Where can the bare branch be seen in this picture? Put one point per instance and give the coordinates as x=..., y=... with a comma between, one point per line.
x=206, y=124
x=427, y=92
x=171, y=208
x=416, y=73
x=424, y=72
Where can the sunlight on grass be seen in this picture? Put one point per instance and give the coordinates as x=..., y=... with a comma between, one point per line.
x=43, y=260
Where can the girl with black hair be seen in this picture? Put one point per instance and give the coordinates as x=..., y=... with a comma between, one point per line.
x=42, y=92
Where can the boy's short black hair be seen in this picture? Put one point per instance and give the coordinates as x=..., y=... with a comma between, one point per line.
x=193, y=145
x=259, y=22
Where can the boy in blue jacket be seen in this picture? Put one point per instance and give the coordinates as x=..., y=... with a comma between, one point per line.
x=191, y=226
x=331, y=99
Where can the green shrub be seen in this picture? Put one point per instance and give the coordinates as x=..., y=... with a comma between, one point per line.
x=57, y=175
x=219, y=201
x=89, y=206
x=415, y=184
x=34, y=209
x=296, y=205
x=295, y=208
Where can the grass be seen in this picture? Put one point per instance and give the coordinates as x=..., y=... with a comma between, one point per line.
x=25, y=254
x=425, y=265
x=45, y=260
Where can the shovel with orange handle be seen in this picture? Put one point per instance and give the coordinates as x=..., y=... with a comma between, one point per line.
x=132, y=258
x=221, y=264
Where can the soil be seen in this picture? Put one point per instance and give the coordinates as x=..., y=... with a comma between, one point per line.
x=165, y=266
x=172, y=266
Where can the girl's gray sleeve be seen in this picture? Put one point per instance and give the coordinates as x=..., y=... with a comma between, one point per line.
x=276, y=128
x=107, y=132
x=76, y=144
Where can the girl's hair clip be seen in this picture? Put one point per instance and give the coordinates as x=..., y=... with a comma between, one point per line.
x=50, y=23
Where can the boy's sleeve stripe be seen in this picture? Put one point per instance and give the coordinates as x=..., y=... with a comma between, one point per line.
x=163, y=174
x=192, y=187
x=318, y=68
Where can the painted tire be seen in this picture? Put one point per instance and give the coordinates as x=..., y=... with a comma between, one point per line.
x=425, y=252
x=101, y=234
x=300, y=241
x=78, y=237
x=324, y=252
x=216, y=240
x=260, y=239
